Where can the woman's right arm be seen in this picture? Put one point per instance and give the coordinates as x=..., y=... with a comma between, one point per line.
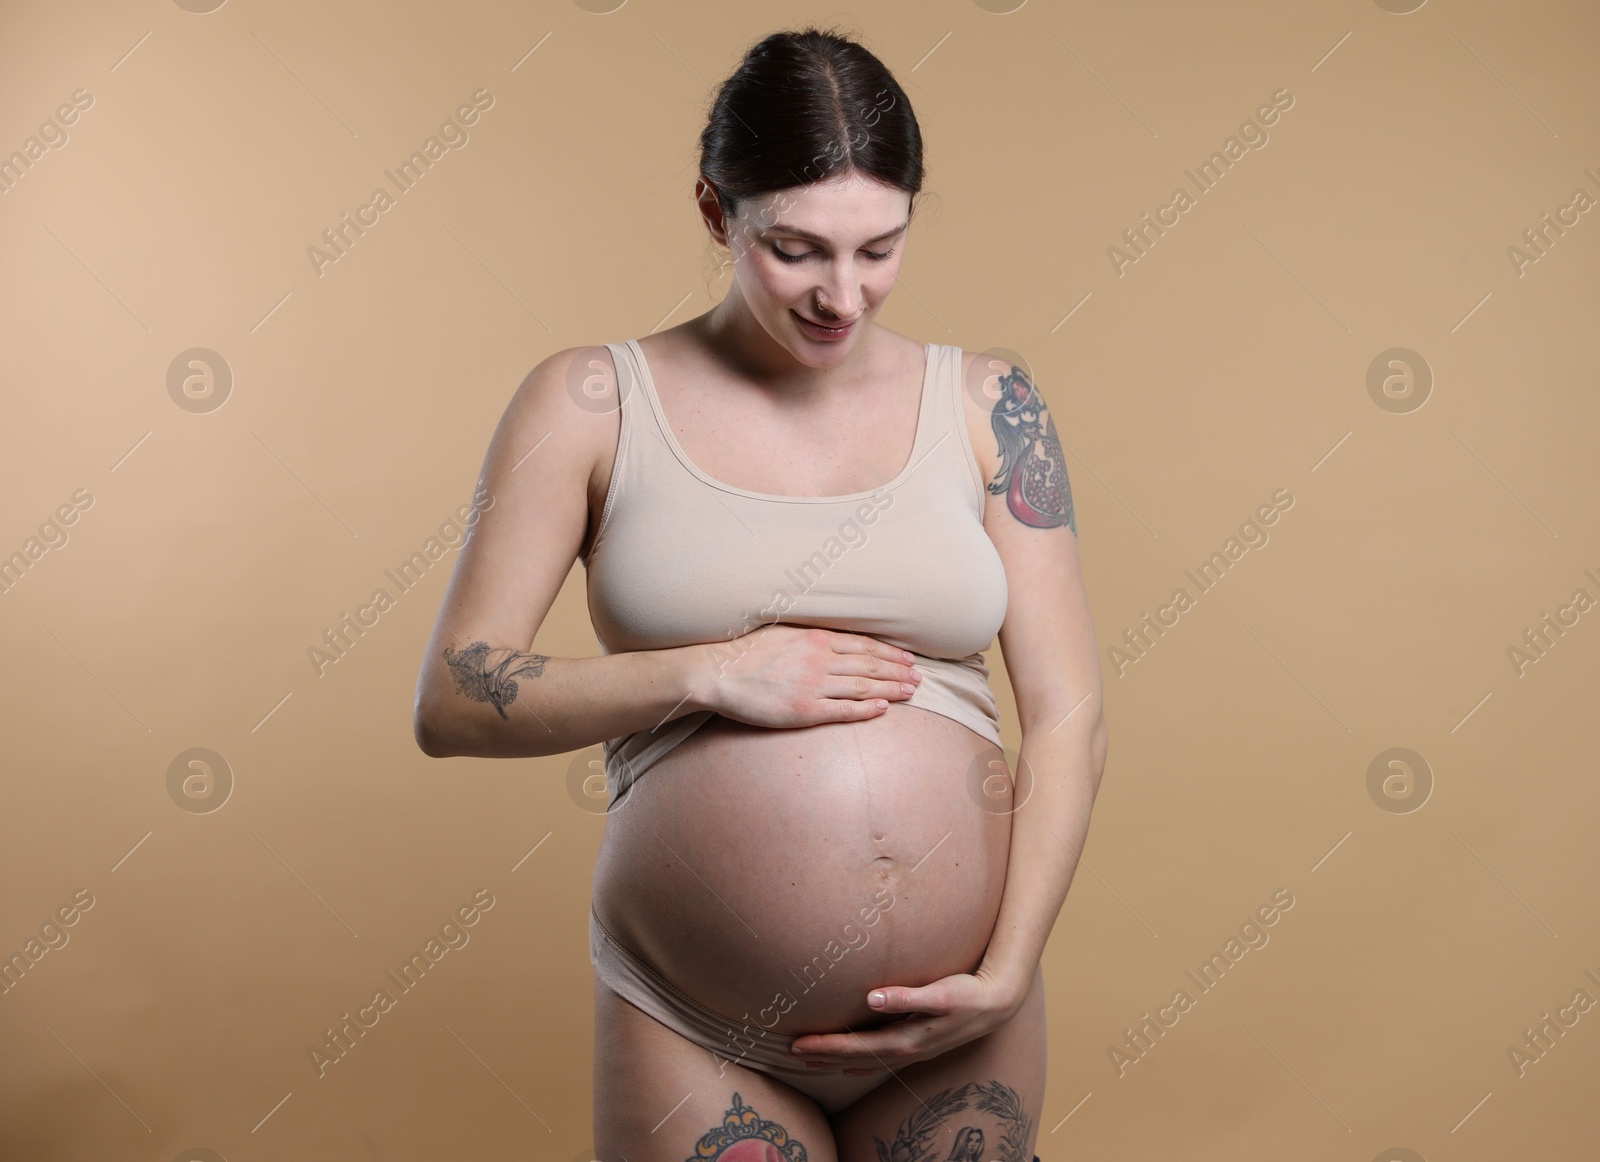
x=482, y=692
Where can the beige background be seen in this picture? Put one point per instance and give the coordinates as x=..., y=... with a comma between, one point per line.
x=1229, y=362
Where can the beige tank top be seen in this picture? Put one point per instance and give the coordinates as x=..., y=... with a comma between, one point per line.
x=680, y=558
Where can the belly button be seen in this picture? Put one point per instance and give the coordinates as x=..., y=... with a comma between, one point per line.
x=885, y=866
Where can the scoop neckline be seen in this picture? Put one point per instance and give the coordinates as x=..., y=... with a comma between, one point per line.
x=694, y=469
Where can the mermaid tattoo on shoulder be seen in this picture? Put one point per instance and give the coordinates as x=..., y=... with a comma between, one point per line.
x=1033, y=473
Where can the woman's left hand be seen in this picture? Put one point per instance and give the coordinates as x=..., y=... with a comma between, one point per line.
x=947, y=1013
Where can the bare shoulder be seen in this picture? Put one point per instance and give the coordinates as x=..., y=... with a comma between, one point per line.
x=569, y=386
x=566, y=412
x=1014, y=438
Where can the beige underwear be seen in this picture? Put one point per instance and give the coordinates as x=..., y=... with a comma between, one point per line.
x=728, y=1040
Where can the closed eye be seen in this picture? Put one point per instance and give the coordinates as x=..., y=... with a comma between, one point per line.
x=876, y=256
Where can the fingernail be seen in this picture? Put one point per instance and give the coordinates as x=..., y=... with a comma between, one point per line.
x=907, y=688
x=877, y=1000
x=908, y=655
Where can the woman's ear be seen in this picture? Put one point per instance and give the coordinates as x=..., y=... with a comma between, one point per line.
x=705, y=197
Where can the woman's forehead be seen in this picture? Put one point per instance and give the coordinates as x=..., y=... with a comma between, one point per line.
x=836, y=210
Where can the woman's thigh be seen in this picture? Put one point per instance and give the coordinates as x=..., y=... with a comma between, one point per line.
x=659, y=1097
x=980, y=1101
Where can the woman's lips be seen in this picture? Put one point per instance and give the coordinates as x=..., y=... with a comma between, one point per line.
x=822, y=330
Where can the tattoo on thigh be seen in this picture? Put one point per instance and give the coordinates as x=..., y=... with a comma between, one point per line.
x=914, y=1141
x=745, y=1136
x=489, y=675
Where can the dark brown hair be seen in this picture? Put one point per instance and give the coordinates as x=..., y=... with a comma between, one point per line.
x=801, y=107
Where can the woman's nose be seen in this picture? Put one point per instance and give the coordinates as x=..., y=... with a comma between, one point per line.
x=841, y=297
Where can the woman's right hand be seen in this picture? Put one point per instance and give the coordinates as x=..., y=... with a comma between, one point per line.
x=789, y=675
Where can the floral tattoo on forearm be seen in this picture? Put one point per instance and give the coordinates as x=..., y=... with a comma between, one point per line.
x=486, y=674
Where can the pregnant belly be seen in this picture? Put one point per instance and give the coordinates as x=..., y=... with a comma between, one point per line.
x=783, y=874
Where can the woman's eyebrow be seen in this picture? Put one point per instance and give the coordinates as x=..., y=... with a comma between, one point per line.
x=797, y=232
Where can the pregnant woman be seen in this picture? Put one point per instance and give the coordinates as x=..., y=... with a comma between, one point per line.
x=822, y=896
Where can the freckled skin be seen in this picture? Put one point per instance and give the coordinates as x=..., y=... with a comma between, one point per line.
x=793, y=846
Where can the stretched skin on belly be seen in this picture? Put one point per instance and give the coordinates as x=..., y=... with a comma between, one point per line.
x=792, y=871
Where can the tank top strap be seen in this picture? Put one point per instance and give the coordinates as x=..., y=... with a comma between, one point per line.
x=952, y=427
x=641, y=428
x=933, y=411
x=950, y=385
x=630, y=402
x=949, y=381
x=628, y=385
x=646, y=449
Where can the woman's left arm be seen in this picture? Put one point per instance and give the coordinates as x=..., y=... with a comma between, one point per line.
x=1052, y=659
